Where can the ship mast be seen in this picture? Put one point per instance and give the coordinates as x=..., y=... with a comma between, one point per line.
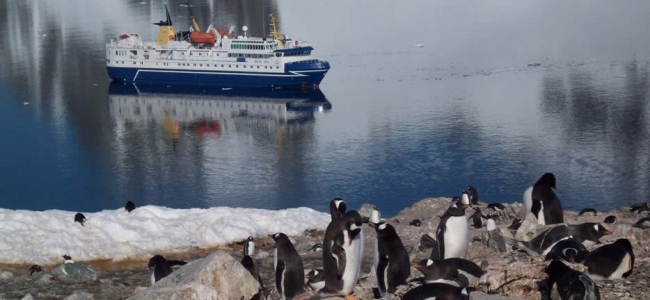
x=195, y=25
x=274, y=31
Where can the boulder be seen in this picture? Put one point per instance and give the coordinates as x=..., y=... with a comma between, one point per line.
x=218, y=276
x=79, y=295
x=75, y=272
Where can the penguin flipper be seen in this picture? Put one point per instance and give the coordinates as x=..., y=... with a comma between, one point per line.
x=339, y=255
x=440, y=236
x=279, y=273
x=382, y=267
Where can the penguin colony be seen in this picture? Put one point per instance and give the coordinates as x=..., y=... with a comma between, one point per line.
x=447, y=274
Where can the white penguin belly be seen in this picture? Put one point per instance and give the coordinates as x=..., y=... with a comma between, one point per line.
x=528, y=199
x=317, y=286
x=352, y=263
x=540, y=214
x=456, y=237
x=624, y=266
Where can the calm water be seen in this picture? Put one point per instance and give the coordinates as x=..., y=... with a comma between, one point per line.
x=501, y=92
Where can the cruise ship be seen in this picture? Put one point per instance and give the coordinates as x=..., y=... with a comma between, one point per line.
x=216, y=58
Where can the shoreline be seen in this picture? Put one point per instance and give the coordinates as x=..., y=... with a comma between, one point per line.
x=125, y=277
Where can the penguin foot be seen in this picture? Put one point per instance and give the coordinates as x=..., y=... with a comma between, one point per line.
x=351, y=297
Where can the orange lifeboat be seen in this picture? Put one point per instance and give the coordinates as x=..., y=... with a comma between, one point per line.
x=201, y=38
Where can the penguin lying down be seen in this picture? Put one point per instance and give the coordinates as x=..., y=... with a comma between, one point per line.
x=587, y=233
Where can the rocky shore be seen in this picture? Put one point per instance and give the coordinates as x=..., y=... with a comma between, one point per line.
x=510, y=274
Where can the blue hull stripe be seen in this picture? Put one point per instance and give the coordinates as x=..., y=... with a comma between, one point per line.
x=293, y=77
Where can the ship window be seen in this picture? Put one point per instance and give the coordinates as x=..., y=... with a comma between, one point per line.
x=134, y=63
x=222, y=66
x=229, y=66
x=194, y=64
x=200, y=65
x=244, y=67
x=236, y=66
x=258, y=67
x=265, y=67
x=277, y=67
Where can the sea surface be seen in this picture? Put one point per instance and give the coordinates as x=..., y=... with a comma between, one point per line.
x=423, y=98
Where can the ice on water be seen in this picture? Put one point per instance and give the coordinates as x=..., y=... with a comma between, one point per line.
x=41, y=237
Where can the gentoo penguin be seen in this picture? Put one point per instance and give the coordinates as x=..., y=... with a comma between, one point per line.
x=375, y=215
x=287, y=264
x=79, y=217
x=588, y=210
x=566, y=283
x=416, y=223
x=248, y=262
x=496, y=206
x=464, y=196
x=453, y=232
x=316, y=279
x=477, y=218
x=394, y=267
x=342, y=254
x=473, y=195
x=427, y=241
x=337, y=208
x=375, y=218
x=640, y=223
x=611, y=261
x=316, y=247
x=610, y=220
x=543, y=242
x=447, y=270
x=67, y=259
x=129, y=206
x=438, y=291
x=516, y=223
x=588, y=233
x=640, y=207
x=544, y=204
x=570, y=250
x=34, y=269
x=494, y=238
x=159, y=267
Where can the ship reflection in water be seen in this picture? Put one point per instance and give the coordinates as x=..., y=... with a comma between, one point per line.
x=212, y=111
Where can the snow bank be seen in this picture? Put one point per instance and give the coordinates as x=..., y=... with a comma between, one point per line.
x=34, y=237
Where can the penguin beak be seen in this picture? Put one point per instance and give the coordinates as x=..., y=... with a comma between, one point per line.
x=270, y=235
x=478, y=289
x=371, y=224
x=464, y=206
x=607, y=232
x=417, y=266
x=307, y=276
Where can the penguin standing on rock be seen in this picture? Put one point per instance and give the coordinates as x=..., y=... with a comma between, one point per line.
x=542, y=201
x=566, y=283
x=337, y=208
x=394, y=267
x=477, y=218
x=473, y=195
x=375, y=218
x=494, y=238
x=248, y=262
x=342, y=254
x=453, y=232
x=465, y=197
x=287, y=264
